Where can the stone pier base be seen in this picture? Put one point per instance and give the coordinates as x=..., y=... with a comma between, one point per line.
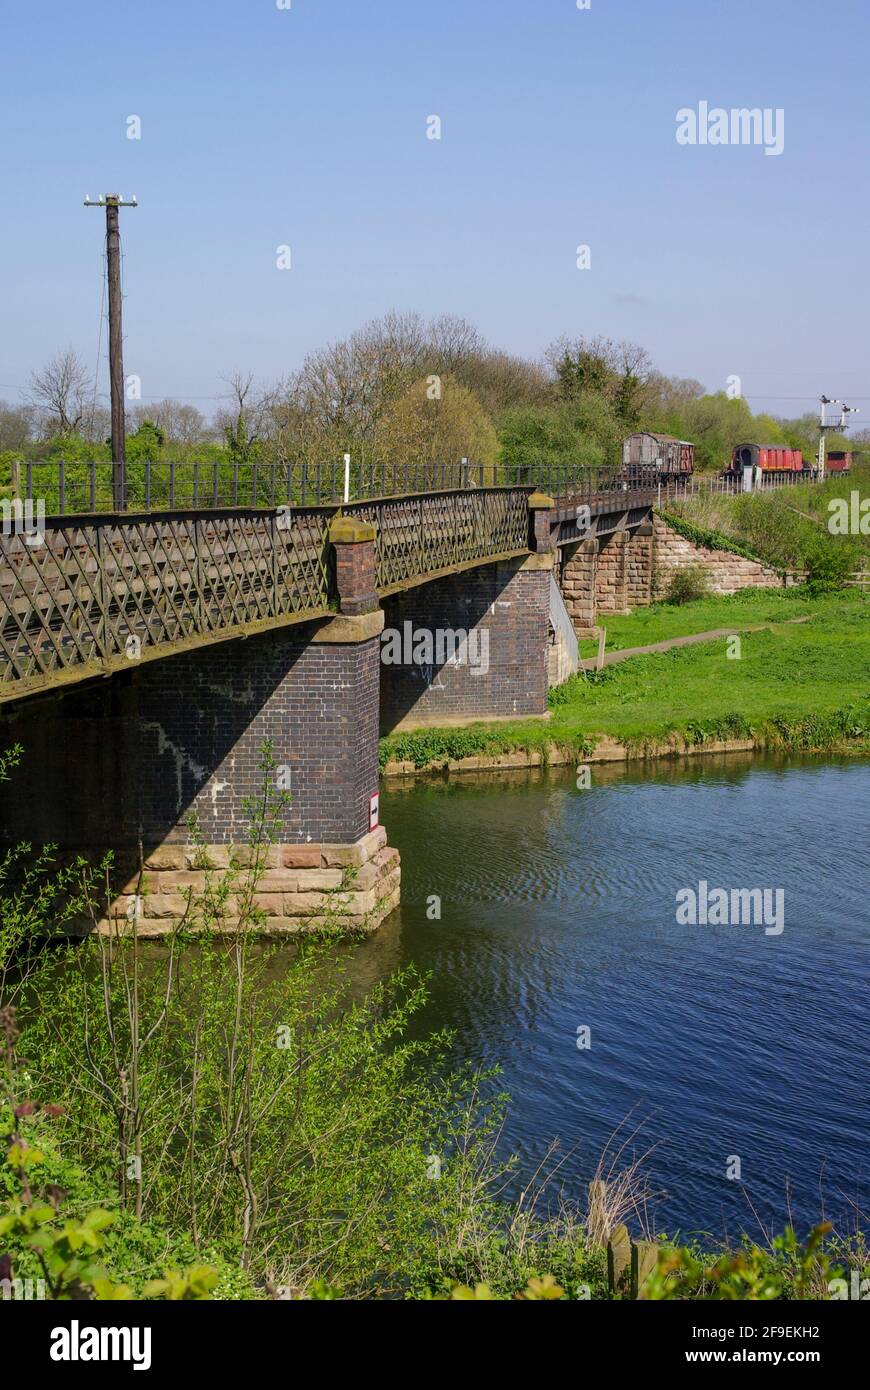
x=300, y=887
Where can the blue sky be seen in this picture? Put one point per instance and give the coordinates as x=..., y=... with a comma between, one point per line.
x=307, y=127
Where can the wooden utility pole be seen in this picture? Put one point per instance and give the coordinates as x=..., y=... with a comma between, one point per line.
x=112, y=202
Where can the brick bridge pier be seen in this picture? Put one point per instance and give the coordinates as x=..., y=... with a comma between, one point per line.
x=160, y=764
x=607, y=574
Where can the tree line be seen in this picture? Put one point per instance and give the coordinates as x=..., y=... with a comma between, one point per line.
x=406, y=389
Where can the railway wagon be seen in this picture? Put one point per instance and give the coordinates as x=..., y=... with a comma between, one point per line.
x=659, y=455
x=839, y=461
x=767, y=458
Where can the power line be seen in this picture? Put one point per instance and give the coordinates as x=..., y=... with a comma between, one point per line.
x=166, y=395
x=747, y=396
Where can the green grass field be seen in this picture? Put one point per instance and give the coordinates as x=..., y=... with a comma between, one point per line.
x=804, y=685
x=644, y=626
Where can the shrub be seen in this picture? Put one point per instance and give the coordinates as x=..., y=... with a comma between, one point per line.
x=688, y=584
x=829, y=561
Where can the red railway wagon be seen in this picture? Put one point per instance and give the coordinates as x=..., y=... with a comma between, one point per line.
x=660, y=454
x=839, y=461
x=769, y=458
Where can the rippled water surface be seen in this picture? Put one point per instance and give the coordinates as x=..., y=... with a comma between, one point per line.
x=558, y=911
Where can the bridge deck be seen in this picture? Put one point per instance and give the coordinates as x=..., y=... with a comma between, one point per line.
x=86, y=594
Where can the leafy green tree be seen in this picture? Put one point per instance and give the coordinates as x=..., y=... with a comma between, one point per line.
x=438, y=422
x=715, y=424
x=146, y=444
x=584, y=369
x=581, y=433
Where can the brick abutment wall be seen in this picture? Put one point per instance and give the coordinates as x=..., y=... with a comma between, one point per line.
x=488, y=659
x=630, y=569
x=727, y=573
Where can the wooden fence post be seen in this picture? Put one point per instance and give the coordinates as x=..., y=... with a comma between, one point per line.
x=644, y=1258
x=619, y=1260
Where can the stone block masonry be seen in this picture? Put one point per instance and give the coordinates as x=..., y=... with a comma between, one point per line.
x=298, y=888
x=727, y=572
x=506, y=607
x=624, y=571
x=578, y=572
x=608, y=575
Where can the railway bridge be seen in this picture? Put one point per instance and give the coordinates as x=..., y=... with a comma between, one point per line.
x=147, y=655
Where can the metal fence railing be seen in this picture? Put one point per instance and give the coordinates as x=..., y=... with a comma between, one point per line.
x=98, y=590
x=425, y=533
x=560, y=481
x=732, y=486
x=67, y=488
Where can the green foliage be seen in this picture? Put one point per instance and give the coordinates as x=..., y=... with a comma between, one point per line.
x=540, y=439
x=241, y=449
x=830, y=560
x=424, y=430
x=437, y=747
x=41, y=1233
x=145, y=444
x=7, y=458
x=834, y=729
x=538, y=1289
x=66, y=1250
x=73, y=448
x=787, y=1270
x=186, y=1285
x=238, y=1092
x=38, y=896
x=786, y=528
x=688, y=584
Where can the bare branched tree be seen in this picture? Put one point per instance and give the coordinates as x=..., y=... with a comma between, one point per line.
x=97, y=425
x=17, y=424
x=454, y=343
x=61, y=391
x=345, y=387
x=501, y=381
x=250, y=420
x=178, y=422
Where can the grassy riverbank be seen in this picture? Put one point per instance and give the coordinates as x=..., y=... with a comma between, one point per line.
x=788, y=528
x=795, y=685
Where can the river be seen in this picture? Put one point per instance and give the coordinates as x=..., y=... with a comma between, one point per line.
x=723, y=1042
